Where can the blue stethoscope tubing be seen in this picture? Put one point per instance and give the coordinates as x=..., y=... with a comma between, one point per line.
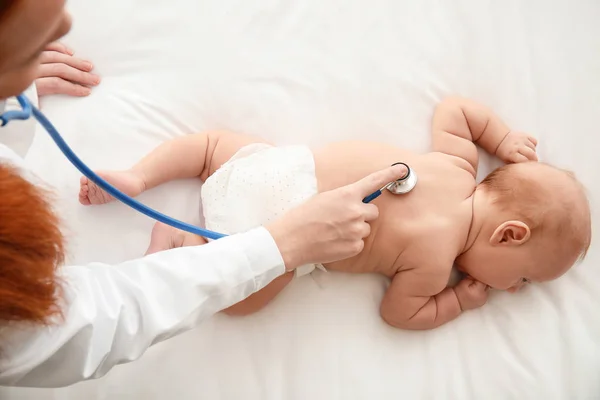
x=107, y=187
x=28, y=110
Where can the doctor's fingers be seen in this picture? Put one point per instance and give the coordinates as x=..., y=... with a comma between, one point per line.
x=52, y=57
x=58, y=46
x=370, y=212
x=48, y=86
x=376, y=180
x=68, y=73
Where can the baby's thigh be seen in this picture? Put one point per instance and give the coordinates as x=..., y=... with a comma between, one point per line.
x=257, y=301
x=227, y=144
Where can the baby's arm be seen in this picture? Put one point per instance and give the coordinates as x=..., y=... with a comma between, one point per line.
x=417, y=299
x=458, y=123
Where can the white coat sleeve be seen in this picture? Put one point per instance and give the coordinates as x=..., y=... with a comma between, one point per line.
x=112, y=314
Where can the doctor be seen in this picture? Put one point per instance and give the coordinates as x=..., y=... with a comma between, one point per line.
x=64, y=324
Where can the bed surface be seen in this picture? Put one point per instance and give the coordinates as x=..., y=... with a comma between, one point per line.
x=313, y=72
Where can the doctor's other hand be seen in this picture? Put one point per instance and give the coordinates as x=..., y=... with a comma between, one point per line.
x=330, y=226
x=62, y=73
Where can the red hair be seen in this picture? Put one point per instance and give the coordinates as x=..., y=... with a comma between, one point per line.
x=31, y=249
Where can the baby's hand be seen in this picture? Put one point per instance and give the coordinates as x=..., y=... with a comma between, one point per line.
x=471, y=293
x=62, y=73
x=517, y=147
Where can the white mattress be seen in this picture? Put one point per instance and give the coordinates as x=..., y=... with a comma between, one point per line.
x=313, y=72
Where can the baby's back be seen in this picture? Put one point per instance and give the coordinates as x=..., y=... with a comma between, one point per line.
x=431, y=221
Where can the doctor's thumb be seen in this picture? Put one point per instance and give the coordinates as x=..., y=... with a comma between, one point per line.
x=378, y=179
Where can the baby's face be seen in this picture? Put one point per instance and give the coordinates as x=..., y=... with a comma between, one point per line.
x=510, y=268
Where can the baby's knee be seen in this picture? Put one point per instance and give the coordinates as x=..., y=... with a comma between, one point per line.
x=165, y=237
x=242, y=309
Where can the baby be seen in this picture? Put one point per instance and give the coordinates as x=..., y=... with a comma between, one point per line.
x=526, y=222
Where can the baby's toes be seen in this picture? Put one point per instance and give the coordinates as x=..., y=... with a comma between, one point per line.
x=84, y=198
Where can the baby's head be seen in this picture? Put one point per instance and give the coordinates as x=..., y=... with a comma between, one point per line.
x=531, y=223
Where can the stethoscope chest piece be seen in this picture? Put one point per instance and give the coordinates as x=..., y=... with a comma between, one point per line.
x=399, y=186
x=404, y=185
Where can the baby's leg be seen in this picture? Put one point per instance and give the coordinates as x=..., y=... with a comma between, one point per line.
x=260, y=299
x=189, y=156
x=165, y=237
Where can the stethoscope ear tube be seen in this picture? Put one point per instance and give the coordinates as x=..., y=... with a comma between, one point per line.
x=107, y=187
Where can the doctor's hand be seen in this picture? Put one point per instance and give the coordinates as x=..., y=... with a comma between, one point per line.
x=332, y=225
x=62, y=73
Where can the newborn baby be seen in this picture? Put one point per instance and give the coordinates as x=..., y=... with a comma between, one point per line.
x=526, y=222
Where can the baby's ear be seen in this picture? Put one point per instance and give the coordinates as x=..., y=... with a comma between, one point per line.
x=512, y=233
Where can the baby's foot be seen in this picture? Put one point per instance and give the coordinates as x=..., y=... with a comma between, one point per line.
x=128, y=182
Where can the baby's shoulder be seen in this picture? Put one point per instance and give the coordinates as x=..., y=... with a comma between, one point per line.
x=460, y=164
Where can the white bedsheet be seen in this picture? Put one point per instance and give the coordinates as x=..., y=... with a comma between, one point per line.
x=312, y=72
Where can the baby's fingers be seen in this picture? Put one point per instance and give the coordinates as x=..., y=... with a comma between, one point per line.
x=528, y=153
x=530, y=144
x=518, y=158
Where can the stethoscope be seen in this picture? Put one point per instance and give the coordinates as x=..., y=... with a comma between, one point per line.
x=400, y=186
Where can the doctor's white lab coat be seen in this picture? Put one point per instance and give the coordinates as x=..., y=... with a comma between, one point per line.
x=113, y=313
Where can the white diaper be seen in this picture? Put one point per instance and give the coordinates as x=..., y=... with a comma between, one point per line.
x=256, y=186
